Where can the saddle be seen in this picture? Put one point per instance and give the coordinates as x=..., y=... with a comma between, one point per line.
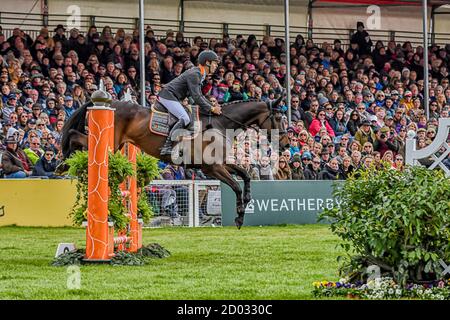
x=161, y=120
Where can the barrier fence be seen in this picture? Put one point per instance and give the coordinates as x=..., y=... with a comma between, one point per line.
x=31, y=23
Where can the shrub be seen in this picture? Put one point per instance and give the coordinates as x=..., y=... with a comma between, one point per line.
x=399, y=221
x=119, y=170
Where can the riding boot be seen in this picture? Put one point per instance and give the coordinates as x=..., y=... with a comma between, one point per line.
x=167, y=147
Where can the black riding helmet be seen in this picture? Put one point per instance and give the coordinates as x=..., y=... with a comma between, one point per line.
x=207, y=55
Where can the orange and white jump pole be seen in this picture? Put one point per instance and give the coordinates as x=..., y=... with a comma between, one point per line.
x=100, y=142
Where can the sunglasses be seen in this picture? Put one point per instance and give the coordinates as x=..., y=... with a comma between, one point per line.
x=49, y=154
x=316, y=162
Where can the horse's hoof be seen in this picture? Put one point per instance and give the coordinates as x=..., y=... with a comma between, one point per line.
x=239, y=222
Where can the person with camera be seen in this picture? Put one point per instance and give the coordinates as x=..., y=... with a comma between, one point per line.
x=385, y=140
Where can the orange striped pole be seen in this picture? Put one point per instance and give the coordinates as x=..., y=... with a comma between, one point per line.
x=101, y=133
x=135, y=244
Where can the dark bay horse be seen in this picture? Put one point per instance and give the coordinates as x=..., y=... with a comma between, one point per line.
x=131, y=123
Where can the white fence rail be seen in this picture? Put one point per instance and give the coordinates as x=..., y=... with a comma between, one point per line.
x=191, y=203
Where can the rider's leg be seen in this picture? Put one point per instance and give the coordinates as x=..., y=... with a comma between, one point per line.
x=175, y=108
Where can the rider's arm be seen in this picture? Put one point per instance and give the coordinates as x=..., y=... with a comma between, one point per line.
x=194, y=85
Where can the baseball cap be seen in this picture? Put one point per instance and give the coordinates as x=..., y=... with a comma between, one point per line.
x=31, y=121
x=307, y=155
x=68, y=98
x=28, y=100
x=408, y=94
x=365, y=123
x=12, y=96
x=385, y=130
x=394, y=92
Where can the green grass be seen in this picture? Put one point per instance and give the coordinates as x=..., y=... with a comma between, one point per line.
x=206, y=263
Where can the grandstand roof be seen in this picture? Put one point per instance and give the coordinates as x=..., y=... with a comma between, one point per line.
x=340, y=2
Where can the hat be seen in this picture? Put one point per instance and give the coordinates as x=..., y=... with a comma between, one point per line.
x=366, y=93
x=421, y=130
x=250, y=67
x=36, y=106
x=385, y=129
x=365, y=123
x=293, y=129
x=389, y=117
x=37, y=75
x=7, y=123
x=296, y=158
x=59, y=26
x=359, y=24
x=394, y=92
x=31, y=121
x=68, y=98
x=324, y=152
x=27, y=86
x=38, y=68
x=298, y=83
x=12, y=96
x=28, y=100
x=307, y=155
x=408, y=93
x=11, y=140
x=323, y=100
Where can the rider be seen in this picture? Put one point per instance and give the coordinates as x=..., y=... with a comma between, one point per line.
x=188, y=83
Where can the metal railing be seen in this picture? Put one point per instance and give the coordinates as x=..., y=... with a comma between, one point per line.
x=31, y=23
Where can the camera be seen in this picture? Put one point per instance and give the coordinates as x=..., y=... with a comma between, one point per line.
x=382, y=136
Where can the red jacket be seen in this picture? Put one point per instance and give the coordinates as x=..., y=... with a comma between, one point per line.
x=315, y=126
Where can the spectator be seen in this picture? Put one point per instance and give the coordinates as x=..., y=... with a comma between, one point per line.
x=15, y=162
x=362, y=39
x=34, y=151
x=46, y=165
x=283, y=172
x=330, y=171
x=265, y=170
x=320, y=122
x=312, y=170
x=296, y=166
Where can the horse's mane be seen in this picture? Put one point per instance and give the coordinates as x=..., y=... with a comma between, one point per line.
x=240, y=101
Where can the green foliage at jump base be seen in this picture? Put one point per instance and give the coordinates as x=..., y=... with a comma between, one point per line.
x=399, y=221
x=119, y=169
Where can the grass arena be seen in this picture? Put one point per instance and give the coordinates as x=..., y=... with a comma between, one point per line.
x=206, y=263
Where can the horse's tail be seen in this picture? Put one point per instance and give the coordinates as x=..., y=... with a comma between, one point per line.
x=76, y=122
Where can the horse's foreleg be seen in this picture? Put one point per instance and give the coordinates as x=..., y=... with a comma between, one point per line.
x=243, y=174
x=220, y=172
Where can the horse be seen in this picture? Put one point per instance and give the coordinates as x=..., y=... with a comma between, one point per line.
x=131, y=125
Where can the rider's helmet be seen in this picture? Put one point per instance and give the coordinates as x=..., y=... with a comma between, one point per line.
x=207, y=55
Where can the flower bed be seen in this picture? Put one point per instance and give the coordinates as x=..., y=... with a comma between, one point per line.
x=383, y=288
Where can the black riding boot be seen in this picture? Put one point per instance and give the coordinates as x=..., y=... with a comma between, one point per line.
x=167, y=147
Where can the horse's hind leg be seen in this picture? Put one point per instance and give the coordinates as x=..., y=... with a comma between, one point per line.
x=220, y=172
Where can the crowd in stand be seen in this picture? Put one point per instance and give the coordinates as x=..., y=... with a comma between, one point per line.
x=350, y=108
